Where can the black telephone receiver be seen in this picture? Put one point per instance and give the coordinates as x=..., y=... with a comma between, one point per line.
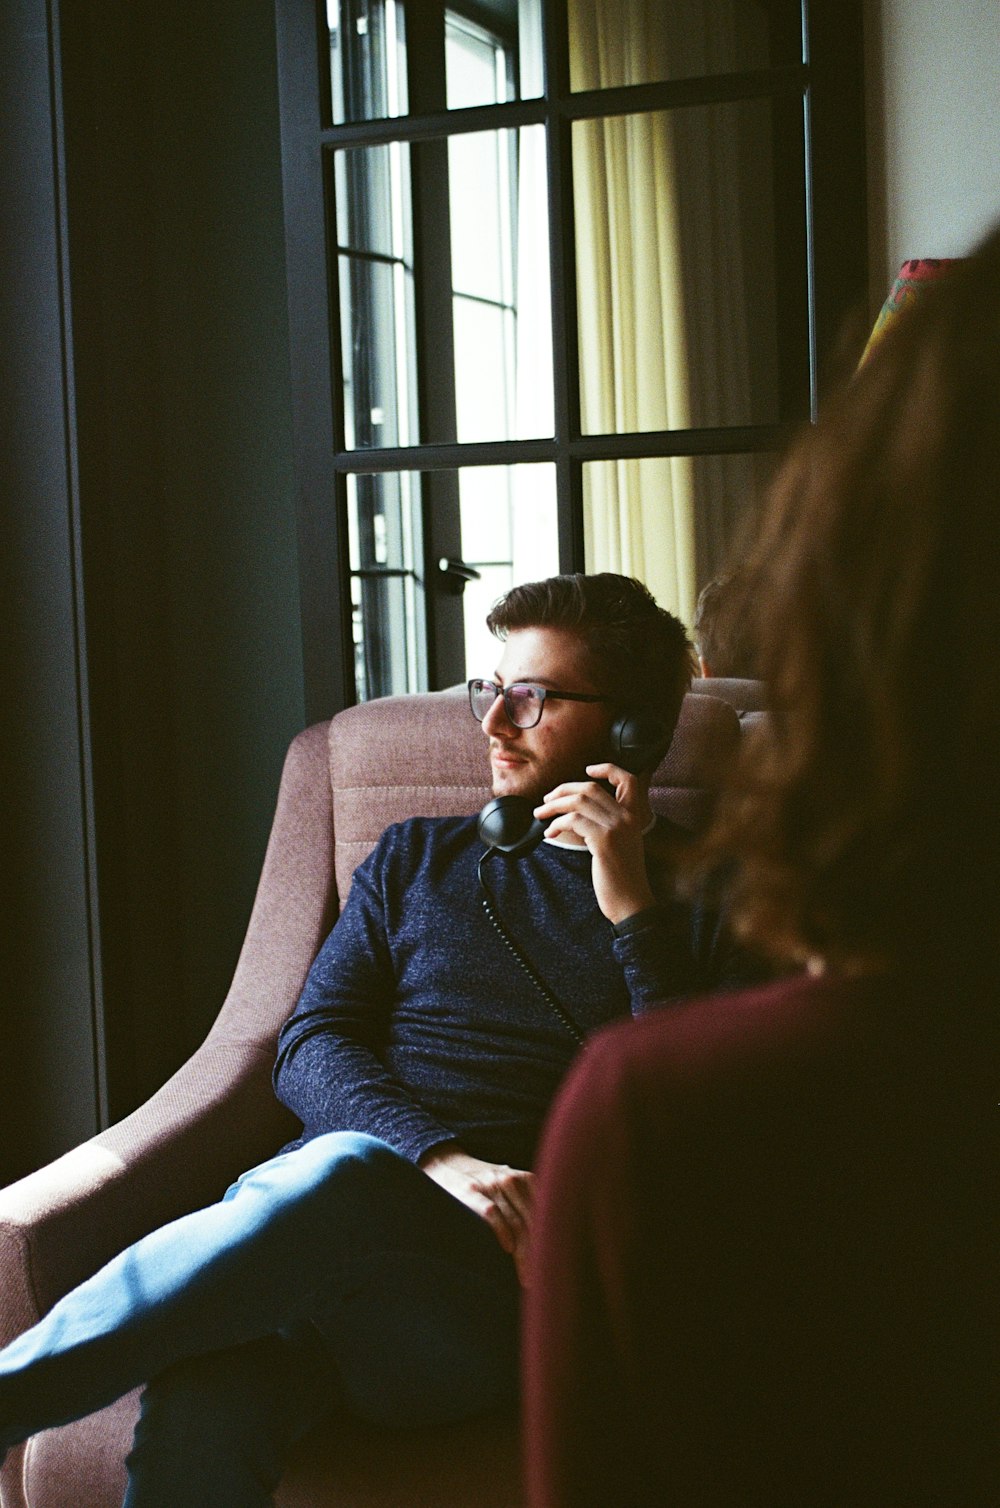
x=507, y=823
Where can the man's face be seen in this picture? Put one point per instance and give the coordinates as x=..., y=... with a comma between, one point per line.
x=531, y=761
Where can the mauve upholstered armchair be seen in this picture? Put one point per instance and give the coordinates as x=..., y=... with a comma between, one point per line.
x=343, y=782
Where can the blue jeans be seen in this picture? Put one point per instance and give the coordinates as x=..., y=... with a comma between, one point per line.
x=335, y=1276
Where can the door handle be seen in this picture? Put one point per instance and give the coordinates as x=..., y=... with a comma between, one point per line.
x=457, y=573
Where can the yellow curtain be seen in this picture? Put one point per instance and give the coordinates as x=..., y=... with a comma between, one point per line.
x=638, y=515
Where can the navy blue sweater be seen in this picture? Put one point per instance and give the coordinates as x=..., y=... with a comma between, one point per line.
x=416, y=1024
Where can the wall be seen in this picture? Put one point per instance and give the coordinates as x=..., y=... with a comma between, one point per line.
x=154, y=511
x=933, y=105
x=180, y=324
x=47, y=956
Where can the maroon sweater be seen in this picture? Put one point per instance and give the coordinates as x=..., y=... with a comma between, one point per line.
x=763, y=1260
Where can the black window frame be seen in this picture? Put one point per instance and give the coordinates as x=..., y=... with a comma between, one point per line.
x=825, y=255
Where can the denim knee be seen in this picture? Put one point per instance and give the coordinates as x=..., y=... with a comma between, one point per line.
x=340, y=1151
x=325, y=1170
x=309, y=1166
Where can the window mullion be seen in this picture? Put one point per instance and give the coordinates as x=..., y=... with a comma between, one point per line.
x=562, y=264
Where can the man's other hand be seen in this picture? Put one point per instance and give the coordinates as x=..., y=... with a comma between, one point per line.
x=501, y=1195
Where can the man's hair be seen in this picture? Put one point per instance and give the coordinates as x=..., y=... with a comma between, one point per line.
x=865, y=822
x=722, y=632
x=643, y=659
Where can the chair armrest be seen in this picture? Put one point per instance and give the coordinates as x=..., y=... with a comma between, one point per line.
x=214, y=1118
x=217, y=1116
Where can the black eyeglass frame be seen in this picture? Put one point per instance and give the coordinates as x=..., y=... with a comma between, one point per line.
x=542, y=692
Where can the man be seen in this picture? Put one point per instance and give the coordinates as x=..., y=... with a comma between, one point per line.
x=374, y=1265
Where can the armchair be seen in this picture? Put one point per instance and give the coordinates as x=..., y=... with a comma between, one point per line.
x=343, y=782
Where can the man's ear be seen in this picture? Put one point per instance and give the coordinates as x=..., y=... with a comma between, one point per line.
x=705, y=667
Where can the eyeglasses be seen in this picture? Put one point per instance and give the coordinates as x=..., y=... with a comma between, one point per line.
x=523, y=701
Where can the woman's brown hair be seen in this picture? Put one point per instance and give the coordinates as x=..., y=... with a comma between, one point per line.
x=862, y=824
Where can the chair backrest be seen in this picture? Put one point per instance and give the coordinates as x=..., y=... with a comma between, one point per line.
x=745, y=696
x=423, y=755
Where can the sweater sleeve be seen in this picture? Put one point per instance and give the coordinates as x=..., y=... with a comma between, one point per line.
x=678, y=948
x=673, y=950
x=330, y=1070
x=655, y=949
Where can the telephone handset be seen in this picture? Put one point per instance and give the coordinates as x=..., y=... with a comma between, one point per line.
x=507, y=823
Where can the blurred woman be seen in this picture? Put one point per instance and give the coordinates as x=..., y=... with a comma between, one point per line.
x=766, y=1222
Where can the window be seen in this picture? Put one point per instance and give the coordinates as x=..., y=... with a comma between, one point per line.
x=559, y=273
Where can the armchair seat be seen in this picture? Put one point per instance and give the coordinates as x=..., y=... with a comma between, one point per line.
x=343, y=1464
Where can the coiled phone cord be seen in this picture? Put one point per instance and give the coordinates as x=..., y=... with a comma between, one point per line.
x=554, y=1005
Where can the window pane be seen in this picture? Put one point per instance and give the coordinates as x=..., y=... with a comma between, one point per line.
x=676, y=269
x=500, y=279
x=483, y=372
x=497, y=56
x=619, y=42
x=487, y=512
x=367, y=59
x=494, y=58
x=374, y=211
x=501, y=316
x=378, y=332
x=478, y=67
x=480, y=178
x=378, y=350
x=387, y=613
x=385, y=533
x=510, y=534
x=672, y=521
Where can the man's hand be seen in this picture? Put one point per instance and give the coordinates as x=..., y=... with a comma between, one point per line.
x=612, y=826
x=502, y=1196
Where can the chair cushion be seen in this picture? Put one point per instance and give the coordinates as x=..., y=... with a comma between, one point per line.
x=745, y=696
